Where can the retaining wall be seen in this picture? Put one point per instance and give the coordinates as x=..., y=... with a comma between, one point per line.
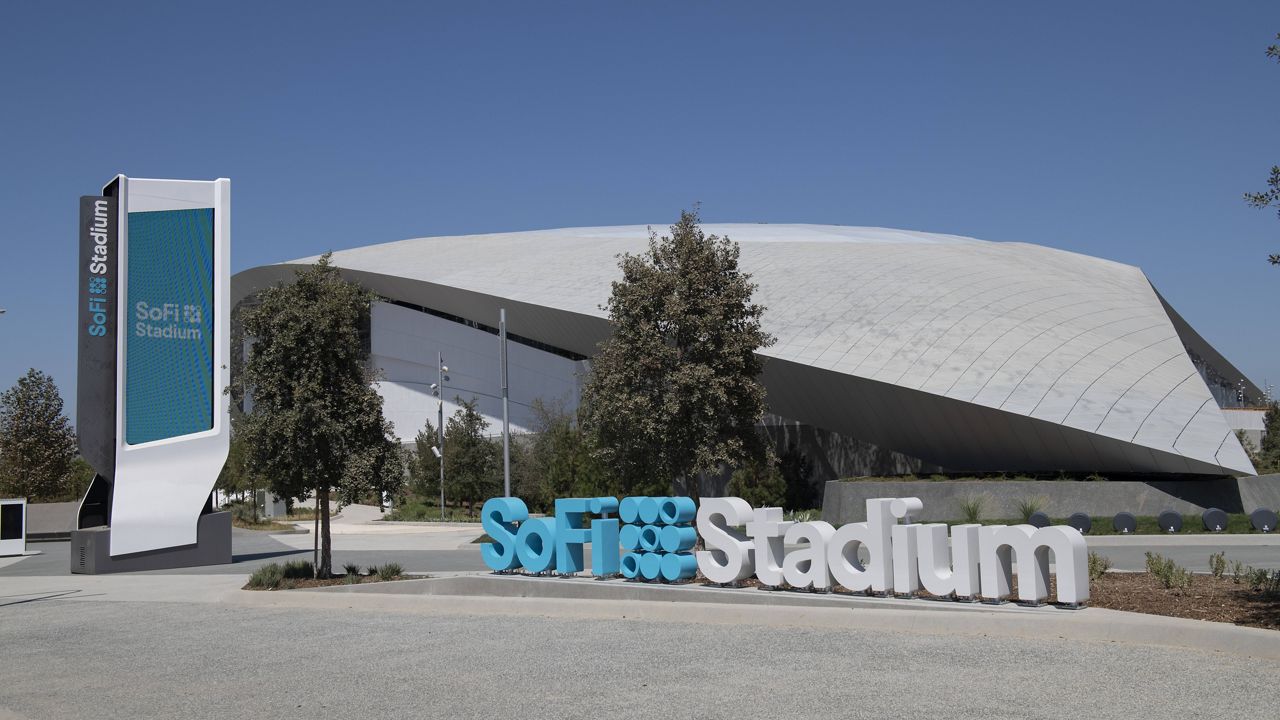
x=845, y=501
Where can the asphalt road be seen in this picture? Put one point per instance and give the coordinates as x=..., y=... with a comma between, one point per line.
x=86, y=659
x=433, y=554
x=251, y=549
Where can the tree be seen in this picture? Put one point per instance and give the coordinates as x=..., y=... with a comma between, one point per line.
x=424, y=469
x=1268, y=453
x=316, y=423
x=759, y=483
x=674, y=392
x=37, y=444
x=235, y=476
x=472, y=462
x=796, y=473
x=559, y=461
x=1271, y=196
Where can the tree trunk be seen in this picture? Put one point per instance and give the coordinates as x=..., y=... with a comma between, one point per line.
x=315, y=535
x=325, y=568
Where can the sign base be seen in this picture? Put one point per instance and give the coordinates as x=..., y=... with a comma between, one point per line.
x=91, y=550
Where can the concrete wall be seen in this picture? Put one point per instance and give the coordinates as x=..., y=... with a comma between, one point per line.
x=845, y=502
x=51, y=521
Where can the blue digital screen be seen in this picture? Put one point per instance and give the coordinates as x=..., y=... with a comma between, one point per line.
x=168, y=361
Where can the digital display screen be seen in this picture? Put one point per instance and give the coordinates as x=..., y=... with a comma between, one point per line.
x=168, y=328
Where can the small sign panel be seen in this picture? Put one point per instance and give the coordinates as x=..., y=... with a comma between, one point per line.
x=169, y=335
x=97, y=277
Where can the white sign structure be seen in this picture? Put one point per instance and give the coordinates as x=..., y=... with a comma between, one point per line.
x=154, y=357
x=904, y=557
x=13, y=526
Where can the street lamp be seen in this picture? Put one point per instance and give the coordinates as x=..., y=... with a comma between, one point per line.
x=437, y=389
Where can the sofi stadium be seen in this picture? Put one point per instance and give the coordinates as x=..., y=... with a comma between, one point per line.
x=896, y=351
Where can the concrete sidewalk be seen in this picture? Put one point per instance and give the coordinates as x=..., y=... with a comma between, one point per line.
x=487, y=594
x=368, y=520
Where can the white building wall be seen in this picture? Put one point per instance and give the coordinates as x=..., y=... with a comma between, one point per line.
x=404, y=347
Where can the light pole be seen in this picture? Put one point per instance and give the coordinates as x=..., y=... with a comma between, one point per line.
x=506, y=416
x=438, y=390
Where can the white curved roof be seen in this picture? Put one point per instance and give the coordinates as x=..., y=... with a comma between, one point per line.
x=1028, y=331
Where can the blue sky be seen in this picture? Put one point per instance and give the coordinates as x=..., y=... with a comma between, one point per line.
x=1124, y=130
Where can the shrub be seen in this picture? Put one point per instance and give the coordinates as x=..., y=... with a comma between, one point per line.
x=1027, y=508
x=1237, y=571
x=299, y=570
x=351, y=569
x=1263, y=580
x=971, y=509
x=1218, y=564
x=243, y=512
x=267, y=577
x=1098, y=565
x=389, y=571
x=802, y=515
x=1171, y=575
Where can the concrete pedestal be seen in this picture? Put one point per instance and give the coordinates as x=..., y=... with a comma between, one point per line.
x=91, y=550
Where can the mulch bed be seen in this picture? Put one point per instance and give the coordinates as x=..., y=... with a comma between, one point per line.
x=1218, y=599
x=302, y=583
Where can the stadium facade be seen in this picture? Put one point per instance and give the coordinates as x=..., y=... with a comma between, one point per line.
x=896, y=351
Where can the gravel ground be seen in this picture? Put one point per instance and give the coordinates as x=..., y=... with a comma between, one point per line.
x=84, y=659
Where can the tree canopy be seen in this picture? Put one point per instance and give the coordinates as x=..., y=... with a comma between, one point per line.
x=37, y=444
x=315, y=422
x=1269, y=198
x=472, y=463
x=674, y=393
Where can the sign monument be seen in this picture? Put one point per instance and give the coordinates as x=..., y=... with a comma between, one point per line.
x=153, y=343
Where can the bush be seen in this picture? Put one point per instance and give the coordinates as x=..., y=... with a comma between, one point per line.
x=971, y=509
x=388, y=571
x=1171, y=575
x=1098, y=565
x=299, y=570
x=351, y=569
x=1218, y=564
x=267, y=577
x=244, y=512
x=1027, y=508
x=1237, y=571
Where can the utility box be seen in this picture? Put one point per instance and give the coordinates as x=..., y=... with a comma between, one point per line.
x=13, y=526
x=270, y=506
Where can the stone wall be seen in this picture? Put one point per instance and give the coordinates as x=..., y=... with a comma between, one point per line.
x=845, y=501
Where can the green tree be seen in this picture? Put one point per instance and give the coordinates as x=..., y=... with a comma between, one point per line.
x=559, y=461
x=1271, y=196
x=1268, y=454
x=472, y=462
x=797, y=473
x=759, y=483
x=37, y=444
x=674, y=392
x=424, y=469
x=316, y=423
x=235, y=476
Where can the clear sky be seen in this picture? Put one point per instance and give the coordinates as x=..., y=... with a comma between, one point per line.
x=1124, y=130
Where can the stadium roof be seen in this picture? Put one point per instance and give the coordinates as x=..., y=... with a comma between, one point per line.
x=968, y=354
